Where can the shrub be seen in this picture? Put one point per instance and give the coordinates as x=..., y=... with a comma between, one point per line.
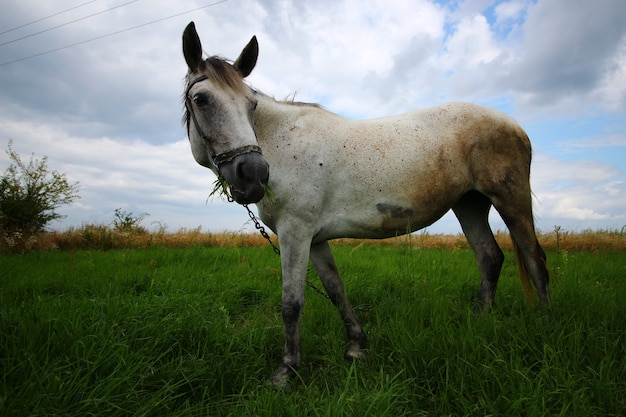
x=30, y=195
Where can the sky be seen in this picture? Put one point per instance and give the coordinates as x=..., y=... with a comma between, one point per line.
x=96, y=87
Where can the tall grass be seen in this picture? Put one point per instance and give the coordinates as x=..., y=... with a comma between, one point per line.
x=197, y=331
x=107, y=237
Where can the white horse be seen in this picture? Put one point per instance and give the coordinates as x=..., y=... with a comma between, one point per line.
x=332, y=177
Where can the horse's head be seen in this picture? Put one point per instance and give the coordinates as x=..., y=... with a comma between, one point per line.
x=219, y=118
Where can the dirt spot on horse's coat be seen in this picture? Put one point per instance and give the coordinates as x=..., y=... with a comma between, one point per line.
x=394, y=211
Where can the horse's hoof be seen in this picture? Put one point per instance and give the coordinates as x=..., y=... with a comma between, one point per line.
x=278, y=384
x=281, y=379
x=355, y=351
x=353, y=355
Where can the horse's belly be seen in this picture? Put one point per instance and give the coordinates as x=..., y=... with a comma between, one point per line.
x=397, y=220
x=382, y=220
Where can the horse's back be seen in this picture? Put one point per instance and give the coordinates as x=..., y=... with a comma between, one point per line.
x=457, y=122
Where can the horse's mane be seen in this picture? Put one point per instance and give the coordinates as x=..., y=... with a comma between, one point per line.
x=291, y=99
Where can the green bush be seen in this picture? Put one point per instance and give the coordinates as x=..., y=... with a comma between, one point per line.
x=30, y=195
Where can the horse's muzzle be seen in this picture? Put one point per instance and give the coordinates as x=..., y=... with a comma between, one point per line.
x=247, y=175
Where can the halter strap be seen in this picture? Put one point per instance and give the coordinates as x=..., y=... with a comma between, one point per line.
x=228, y=156
x=192, y=83
x=222, y=158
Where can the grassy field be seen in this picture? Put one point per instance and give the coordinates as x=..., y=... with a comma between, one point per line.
x=197, y=331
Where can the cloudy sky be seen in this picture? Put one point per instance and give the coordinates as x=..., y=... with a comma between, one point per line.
x=96, y=86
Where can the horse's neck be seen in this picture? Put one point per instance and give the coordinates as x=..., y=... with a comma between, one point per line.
x=272, y=117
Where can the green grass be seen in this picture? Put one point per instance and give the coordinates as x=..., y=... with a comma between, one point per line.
x=198, y=331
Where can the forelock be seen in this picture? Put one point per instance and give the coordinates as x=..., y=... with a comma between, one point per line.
x=222, y=73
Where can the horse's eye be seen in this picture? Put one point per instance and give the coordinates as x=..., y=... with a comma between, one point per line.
x=200, y=100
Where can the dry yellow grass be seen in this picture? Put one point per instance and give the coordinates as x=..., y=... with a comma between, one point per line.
x=585, y=241
x=105, y=237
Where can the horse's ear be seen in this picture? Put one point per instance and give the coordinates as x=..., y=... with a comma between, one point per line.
x=247, y=59
x=192, y=49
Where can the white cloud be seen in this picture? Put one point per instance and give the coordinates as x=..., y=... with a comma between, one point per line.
x=611, y=89
x=578, y=192
x=330, y=46
x=471, y=44
x=567, y=48
x=467, y=8
x=604, y=141
x=510, y=10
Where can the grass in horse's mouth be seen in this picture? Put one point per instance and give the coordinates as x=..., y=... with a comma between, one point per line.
x=220, y=189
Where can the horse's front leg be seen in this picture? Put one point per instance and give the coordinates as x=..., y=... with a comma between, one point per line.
x=324, y=263
x=294, y=260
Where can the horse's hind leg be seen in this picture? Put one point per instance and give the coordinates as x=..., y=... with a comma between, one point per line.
x=322, y=259
x=472, y=210
x=531, y=257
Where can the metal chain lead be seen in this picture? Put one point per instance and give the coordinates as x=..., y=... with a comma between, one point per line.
x=261, y=229
x=264, y=233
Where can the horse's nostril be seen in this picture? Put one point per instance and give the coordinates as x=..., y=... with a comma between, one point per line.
x=252, y=171
x=240, y=171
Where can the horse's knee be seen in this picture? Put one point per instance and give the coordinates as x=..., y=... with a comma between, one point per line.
x=291, y=311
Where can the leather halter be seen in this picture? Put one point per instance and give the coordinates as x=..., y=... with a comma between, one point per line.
x=222, y=158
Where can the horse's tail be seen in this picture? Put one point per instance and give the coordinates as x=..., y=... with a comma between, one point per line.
x=523, y=272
